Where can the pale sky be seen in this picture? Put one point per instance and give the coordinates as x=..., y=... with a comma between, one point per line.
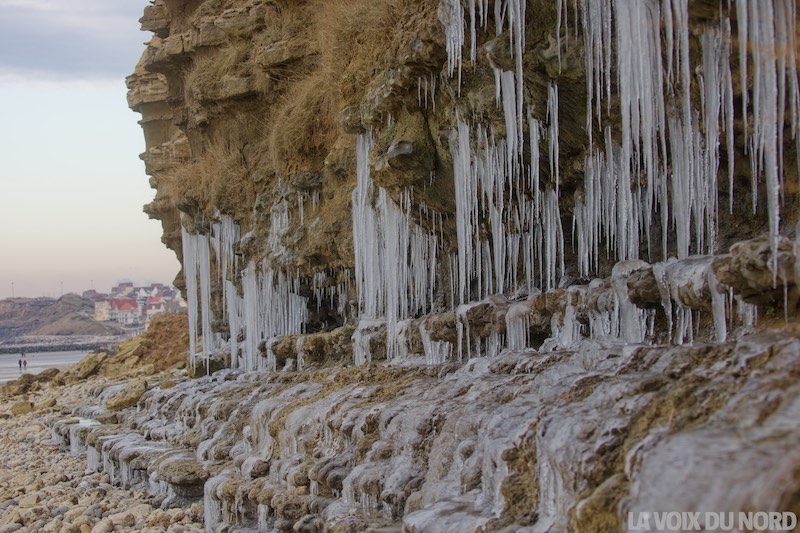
x=72, y=186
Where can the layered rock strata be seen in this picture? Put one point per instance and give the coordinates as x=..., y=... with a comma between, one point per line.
x=522, y=208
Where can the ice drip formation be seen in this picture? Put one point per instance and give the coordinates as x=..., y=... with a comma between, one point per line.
x=480, y=265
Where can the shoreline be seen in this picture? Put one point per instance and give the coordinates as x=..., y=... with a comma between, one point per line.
x=38, y=362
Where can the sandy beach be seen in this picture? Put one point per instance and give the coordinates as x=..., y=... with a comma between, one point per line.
x=37, y=362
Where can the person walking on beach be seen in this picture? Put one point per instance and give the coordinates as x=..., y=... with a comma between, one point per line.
x=25, y=363
x=20, y=364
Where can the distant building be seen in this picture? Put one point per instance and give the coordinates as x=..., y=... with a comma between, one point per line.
x=125, y=311
x=94, y=295
x=133, y=306
x=102, y=311
x=122, y=289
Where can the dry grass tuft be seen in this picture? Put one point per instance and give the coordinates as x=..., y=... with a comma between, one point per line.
x=208, y=70
x=219, y=177
x=349, y=37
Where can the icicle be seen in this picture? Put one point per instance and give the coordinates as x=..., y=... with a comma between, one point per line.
x=568, y=333
x=301, y=354
x=596, y=16
x=518, y=324
x=454, y=37
x=436, y=352
x=395, y=258
x=632, y=320
x=552, y=118
x=553, y=240
x=659, y=272
x=190, y=277
x=742, y=28
x=466, y=196
x=765, y=154
x=716, y=94
x=225, y=235
x=642, y=108
x=717, y=305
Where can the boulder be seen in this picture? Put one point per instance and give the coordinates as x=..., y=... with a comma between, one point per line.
x=130, y=517
x=88, y=366
x=186, y=476
x=21, y=385
x=21, y=408
x=45, y=404
x=128, y=396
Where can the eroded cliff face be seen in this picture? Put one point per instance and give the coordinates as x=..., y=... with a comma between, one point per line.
x=560, y=225
x=522, y=146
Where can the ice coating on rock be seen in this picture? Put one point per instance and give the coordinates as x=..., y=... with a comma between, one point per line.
x=395, y=264
x=521, y=438
x=447, y=451
x=632, y=321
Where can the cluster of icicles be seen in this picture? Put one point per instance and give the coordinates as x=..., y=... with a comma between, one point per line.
x=662, y=172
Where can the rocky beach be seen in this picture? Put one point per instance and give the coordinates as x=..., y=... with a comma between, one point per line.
x=44, y=484
x=45, y=488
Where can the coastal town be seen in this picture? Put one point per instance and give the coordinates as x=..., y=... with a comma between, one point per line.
x=134, y=307
x=87, y=321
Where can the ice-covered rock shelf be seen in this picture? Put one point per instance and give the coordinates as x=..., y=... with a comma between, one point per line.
x=531, y=441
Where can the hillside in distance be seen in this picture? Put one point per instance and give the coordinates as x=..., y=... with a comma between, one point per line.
x=67, y=315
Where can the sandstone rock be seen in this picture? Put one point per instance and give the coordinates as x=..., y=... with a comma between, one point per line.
x=498, y=52
x=86, y=367
x=185, y=474
x=747, y=269
x=48, y=375
x=21, y=408
x=107, y=417
x=31, y=515
x=158, y=518
x=643, y=289
x=29, y=500
x=53, y=526
x=350, y=120
x=18, y=386
x=128, y=396
x=74, y=513
x=103, y=526
x=307, y=181
x=51, y=402
x=279, y=54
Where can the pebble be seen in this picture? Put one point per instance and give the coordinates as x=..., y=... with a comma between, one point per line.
x=44, y=488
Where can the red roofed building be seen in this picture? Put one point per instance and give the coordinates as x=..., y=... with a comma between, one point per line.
x=125, y=311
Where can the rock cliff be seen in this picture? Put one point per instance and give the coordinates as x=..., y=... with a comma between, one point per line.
x=524, y=265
